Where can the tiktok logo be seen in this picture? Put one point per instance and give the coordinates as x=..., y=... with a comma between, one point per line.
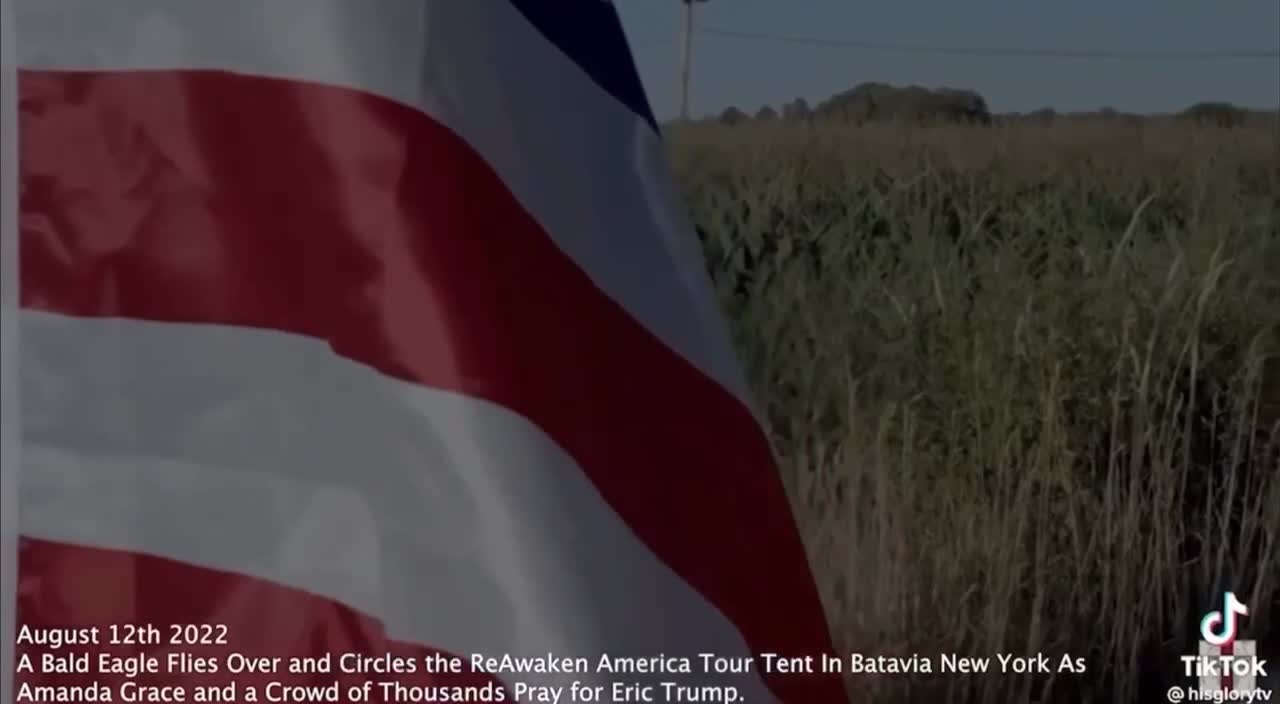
x=1220, y=628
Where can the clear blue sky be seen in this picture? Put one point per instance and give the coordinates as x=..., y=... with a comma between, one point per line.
x=752, y=73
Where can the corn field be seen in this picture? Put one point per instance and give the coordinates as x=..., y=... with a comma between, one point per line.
x=1023, y=382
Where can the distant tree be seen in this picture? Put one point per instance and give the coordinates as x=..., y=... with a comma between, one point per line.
x=960, y=106
x=797, y=110
x=733, y=116
x=1216, y=114
x=766, y=114
x=880, y=102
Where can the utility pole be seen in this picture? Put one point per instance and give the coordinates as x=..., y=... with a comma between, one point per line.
x=688, y=57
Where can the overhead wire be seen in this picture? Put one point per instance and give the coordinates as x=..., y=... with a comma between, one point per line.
x=994, y=51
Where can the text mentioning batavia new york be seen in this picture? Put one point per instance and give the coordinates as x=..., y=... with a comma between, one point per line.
x=201, y=663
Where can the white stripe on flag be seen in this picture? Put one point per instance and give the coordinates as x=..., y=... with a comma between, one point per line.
x=1210, y=681
x=265, y=454
x=586, y=167
x=1248, y=649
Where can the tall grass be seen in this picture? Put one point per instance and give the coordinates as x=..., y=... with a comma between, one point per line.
x=1024, y=382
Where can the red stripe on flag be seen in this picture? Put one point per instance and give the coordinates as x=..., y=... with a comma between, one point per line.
x=105, y=588
x=1227, y=649
x=219, y=198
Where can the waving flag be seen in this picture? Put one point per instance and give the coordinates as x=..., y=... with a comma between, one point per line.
x=375, y=326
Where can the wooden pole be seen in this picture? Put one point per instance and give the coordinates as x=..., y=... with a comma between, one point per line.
x=688, y=54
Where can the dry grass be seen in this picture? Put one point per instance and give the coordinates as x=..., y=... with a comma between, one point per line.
x=1024, y=382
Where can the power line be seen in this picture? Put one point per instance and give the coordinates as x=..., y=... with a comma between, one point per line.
x=1117, y=54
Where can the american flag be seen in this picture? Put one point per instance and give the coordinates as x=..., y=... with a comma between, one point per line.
x=372, y=326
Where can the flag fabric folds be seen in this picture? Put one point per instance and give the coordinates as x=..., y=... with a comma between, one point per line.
x=377, y=327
